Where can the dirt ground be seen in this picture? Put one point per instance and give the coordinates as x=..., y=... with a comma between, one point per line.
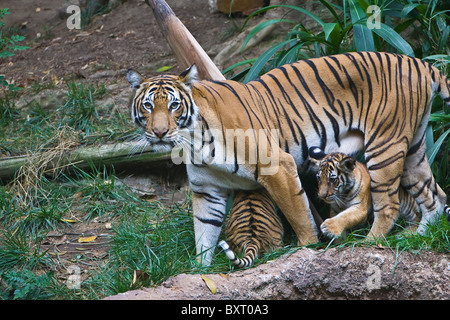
x=126, y=37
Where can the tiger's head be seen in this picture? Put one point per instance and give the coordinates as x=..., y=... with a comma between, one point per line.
x=163, y=106
x=335, y=174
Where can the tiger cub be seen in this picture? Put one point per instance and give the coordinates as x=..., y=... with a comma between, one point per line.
x=253, y=227
x=344, y=183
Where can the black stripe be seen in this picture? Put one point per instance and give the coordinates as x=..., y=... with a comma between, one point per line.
x=303, y=82
x=326, y=91
x=336, y=75
x=380, y=165
x=335, y=126
x=213, y=222
x=353, y=87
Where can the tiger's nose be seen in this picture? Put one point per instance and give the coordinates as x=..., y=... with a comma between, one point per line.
x=160, y=132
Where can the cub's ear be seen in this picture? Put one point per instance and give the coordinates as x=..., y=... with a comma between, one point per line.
x=134, y=78
x=316, y=153
x=189, y=76
x=347, y=164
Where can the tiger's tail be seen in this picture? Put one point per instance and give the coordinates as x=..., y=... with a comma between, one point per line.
x=250, y=254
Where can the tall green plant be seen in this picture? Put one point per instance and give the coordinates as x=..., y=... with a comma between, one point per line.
x=357, y=25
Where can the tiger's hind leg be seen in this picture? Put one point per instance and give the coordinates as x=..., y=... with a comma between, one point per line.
x=385, y=170
x=418, y=181
x=409, y=210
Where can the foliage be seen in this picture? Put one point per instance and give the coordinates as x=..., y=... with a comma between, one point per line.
x=357, y=25
x=8, y=44
x=26, y=285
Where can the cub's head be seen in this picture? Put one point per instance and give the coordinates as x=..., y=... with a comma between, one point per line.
x=335, y=173
x=163, y=106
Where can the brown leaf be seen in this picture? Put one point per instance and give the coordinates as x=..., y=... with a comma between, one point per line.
x=77, y=195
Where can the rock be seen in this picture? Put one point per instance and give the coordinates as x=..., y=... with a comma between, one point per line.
x=348, y=273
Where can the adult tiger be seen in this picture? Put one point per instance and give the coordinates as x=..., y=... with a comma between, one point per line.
x=252, y=227
x=344, y=183
x=376, y=102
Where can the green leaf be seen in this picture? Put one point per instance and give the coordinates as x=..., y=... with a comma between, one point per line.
x=236, y=65
x=434, y=149
x=333, y=12
x=328, y=28
x=439, y=117
x=394, y=39
x=264, y=58
x=362, y=35
x=164, y=68
x=408, y=8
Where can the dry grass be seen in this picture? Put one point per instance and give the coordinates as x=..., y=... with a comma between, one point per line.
x=46, y=161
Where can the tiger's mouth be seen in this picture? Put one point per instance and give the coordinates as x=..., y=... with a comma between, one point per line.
x=162, y=146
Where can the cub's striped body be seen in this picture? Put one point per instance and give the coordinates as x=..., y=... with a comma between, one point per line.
x=376, y=102
x=253, y=227
x=344, y=183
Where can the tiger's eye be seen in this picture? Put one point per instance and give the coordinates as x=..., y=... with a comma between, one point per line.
x=174, y=105
x=148, y=105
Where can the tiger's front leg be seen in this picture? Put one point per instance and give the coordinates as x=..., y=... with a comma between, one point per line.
x=286, y=190
x=208, y=205
x=336, y=225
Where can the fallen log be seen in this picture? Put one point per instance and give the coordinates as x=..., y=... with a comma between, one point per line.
x=83, y=158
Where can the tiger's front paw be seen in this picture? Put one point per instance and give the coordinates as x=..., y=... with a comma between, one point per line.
x=331, y=228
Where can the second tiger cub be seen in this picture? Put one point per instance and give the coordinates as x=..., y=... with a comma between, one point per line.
x=253, y=227
x=344, y=183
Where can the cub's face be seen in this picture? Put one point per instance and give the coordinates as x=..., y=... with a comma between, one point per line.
x=334, y=175
x=163, y=107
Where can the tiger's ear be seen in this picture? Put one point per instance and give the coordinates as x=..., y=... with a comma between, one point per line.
x=189, y=76
x=134, y=78
x=316, y=154
x=347, y=164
